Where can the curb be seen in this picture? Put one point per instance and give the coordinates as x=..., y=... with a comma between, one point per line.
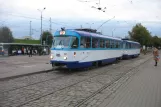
x=22, y=75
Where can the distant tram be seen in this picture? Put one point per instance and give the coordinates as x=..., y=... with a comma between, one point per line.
x=80, y=48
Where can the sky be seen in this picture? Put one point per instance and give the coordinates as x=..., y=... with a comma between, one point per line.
x=124, y=14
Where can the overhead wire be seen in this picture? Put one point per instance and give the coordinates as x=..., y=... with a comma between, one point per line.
x=45, y=20
x=36, y=19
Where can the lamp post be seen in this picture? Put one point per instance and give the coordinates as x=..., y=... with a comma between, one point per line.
x=41, y=22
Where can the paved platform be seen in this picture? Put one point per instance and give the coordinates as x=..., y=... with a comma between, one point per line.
x=21, y=65
x=141, y=90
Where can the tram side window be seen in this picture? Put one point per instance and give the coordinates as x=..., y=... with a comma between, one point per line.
x=130, y=45
x=127, y=45
x=107, y=43
x=102, y=43
x=111, y=43
x=74, y=42
x=116, y=44
x=119, y=44
x=134, y=46
x=137, y=46
x=95, y=43
x=85, y=42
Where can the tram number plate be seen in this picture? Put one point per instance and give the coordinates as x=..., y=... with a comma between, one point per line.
x=58, y=55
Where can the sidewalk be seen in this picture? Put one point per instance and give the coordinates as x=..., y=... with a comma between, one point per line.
x=23, y=65
x=141, y=90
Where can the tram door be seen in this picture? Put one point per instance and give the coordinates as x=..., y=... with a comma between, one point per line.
x=124, y=47
x=85, y=44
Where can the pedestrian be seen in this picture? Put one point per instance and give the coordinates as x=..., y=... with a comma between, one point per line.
x=25, y=51
x=30, y=54
x=44, y=51
x=156, y=55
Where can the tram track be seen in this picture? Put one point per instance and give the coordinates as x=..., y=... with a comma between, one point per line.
x=107, y=85
x=96, y=73
x=63, y=75
x=70, y=85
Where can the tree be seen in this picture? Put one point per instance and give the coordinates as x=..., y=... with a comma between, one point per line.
x=140, y=34
x=6, y=35
x=156, y=41
x=47, y=37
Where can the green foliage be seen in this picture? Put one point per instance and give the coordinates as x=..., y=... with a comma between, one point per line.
x=156, y=41
x=47, y=37
x=140, y=34
x=6, y=35
x=27, y=41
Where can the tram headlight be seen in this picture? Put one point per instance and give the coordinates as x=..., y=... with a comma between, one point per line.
x=65, y=57
x=51, y=56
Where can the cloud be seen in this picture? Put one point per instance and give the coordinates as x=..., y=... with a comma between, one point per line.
x=122, y=9
x=73, y=13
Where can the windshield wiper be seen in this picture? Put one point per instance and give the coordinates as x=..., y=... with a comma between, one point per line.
x=60, y=43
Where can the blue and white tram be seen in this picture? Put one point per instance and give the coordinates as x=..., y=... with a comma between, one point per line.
x=78, y=49
x=131, y=49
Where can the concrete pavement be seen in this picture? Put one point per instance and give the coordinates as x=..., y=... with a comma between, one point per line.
x=141, y=90
x=23, y=65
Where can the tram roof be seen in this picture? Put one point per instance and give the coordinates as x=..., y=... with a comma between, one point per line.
x=132, y=41
x=97, y=35
x=85, y=33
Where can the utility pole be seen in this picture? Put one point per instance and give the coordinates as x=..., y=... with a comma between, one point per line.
x=81, y=26
x=41, y=28
x=41, y=23
x=50, y=26
x=30, y=28
x=113, y=31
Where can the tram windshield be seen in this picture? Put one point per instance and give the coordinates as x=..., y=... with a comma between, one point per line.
x=65, y=42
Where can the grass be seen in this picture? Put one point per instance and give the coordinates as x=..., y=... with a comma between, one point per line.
x=27, y=41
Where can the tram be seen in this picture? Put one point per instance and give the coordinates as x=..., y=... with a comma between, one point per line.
x=80, y=48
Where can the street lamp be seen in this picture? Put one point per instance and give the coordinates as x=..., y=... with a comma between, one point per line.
x=41, y=22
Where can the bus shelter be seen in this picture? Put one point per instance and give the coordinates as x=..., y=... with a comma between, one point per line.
x=9, y=49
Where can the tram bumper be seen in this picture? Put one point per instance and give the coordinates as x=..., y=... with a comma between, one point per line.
x=68, y=64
